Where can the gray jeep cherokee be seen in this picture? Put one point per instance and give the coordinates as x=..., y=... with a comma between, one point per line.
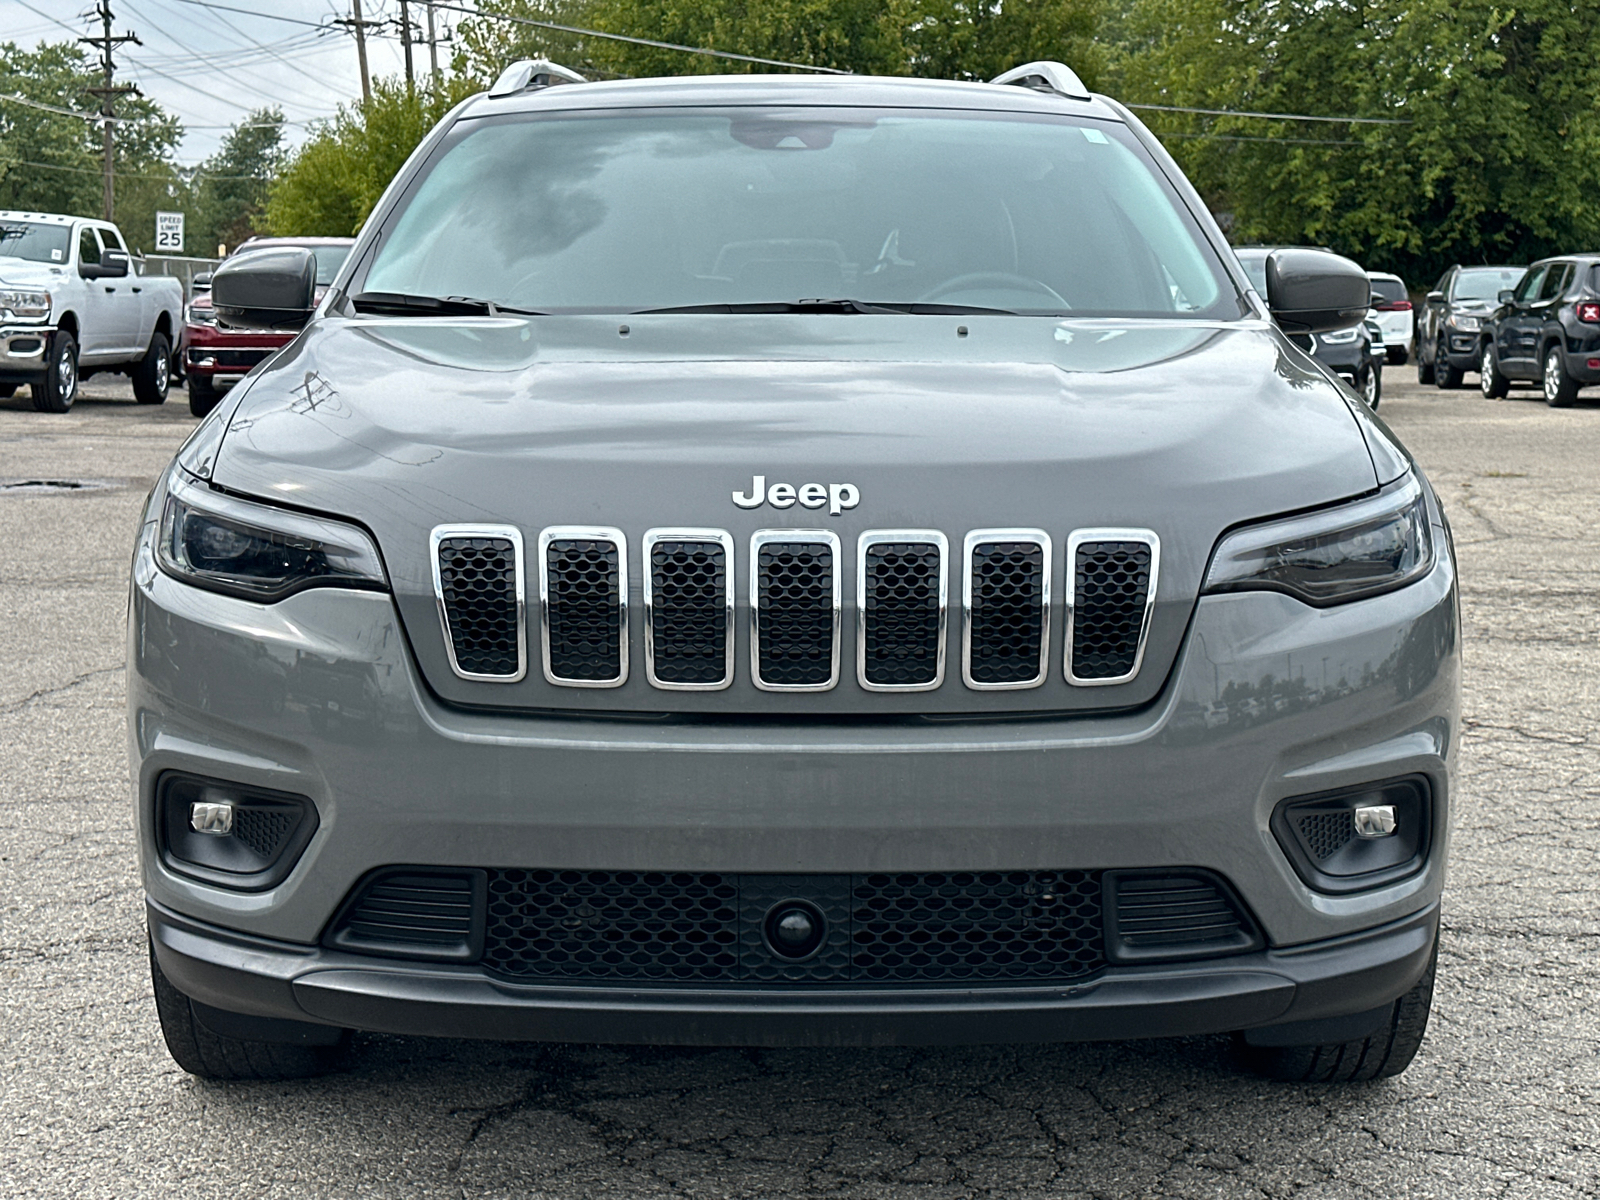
x=788, y=561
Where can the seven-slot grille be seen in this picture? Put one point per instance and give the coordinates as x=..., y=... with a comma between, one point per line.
x=794, y=594
x=1113, y=587
x=689, y=608
x=583, y=589
x=794, y=589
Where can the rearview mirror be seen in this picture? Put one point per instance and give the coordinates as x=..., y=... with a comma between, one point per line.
x=1315, y=291
x=266, y=289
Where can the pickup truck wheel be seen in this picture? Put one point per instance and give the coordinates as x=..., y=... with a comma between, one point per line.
x=202, y=396
x=59, y=388
x=1381, y=1055
x=153, y=376
x=210, y=1055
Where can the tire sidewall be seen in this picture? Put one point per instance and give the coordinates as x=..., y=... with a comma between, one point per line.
x=55, y=398
x=1488, y=368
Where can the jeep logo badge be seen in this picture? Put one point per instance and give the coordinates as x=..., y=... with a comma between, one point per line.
x=837, y=496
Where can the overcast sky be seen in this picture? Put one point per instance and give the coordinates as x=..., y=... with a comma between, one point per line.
x=210, y=67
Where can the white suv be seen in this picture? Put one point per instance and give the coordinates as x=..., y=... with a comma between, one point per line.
x=1391, y=308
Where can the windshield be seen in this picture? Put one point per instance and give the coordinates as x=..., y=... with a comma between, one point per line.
x=329, y=260
x=1486, y=283
x=33, y=242
x=623, y=213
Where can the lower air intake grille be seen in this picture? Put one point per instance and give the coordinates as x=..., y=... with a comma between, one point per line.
x=583, y=610
x=902, y=622
x=796, y=597
x=1111, y=584
x=1175, y=915
x=264, y=829
x=689, y=612
x=993, y=927
x=478, y=588
x=413, y=914
x=1327, y=833
x=1007, y=618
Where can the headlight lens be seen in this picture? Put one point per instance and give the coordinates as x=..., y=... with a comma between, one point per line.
x=24, y=302
x=1342, y=337
x=1465, y=323
x=197, y=314
x=258, y=552
x=1356, y=550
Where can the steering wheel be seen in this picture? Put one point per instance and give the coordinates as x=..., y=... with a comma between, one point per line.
x=1002, y=279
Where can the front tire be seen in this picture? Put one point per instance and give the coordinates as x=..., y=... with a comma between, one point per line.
x=210, y=1055
x=1446, y=376
x=1372, y=386
x=1396, y=356
x=1382, y=1055
x=202, y=396
x=1559, y=389
x=1424, y=367
x=153, y=376
x=59, y=387
x=1495, y=385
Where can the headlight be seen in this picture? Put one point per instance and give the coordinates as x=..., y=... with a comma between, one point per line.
x=197, y=315
x=24, y=302
x=1464, y=323
x=255, y=551
x=1342, y=337
x=1346, y=553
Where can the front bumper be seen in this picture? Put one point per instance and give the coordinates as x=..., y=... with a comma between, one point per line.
x=24, y=351
x=223, y=358
x=1319, y=982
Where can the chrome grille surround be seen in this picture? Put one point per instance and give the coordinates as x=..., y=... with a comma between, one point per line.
x=710, y=537
x=970, y=545
x=584, y=533
x=1088, y=537
x=922, y=537
x=765, y=537
x=445, y=533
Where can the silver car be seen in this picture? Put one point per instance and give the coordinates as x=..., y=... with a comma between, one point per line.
x=784, y=561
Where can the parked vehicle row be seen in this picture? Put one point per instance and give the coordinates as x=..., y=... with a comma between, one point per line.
x=72, y=304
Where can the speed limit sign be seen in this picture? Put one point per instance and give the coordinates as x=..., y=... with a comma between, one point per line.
x=169, y=233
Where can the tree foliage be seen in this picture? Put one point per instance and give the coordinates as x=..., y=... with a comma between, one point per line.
x=231, y=186
x=330, y=185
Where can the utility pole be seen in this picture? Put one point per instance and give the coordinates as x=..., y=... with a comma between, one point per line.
x=357, y=23
x=109, y=91
x=405, y=38
x=433, y=46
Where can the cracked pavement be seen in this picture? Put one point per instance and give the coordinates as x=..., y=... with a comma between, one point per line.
x=1503, y=1101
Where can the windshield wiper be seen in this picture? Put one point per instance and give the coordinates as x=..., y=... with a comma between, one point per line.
x=401, y=304
x=896, y=307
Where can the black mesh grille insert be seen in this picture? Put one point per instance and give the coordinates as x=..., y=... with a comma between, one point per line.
x=1111, y=582
x=1178, y=910
x=583, y=619
x=1007, y=618
x=916, y=928
x=1327, y=833
x=901, y=644
x=478, y=580
x=689, y=611
x=264, y=829
x=794, y=589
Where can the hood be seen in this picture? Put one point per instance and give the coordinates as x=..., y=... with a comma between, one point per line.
x=949, y=423
x=19, y=272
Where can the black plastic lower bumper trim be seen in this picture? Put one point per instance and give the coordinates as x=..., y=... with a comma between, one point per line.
x=1339, y=977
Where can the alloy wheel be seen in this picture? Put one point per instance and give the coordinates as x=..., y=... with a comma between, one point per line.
x=1552, y=377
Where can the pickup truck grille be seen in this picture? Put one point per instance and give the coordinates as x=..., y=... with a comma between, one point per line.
x=795, y=585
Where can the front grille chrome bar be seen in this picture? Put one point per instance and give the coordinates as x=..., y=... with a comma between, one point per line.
x=694, y=601
x=583, y=603
x=794, y=588
x=1005, y=625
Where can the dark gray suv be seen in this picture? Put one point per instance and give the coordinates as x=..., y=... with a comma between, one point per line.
x=779, y=561
x=1545, y=332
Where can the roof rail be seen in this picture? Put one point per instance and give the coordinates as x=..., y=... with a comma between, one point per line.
x=531, y=74
x=1046, y=77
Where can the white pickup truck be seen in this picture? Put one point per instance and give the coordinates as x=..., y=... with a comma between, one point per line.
x=72, y=304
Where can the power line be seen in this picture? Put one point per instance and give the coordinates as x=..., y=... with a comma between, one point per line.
x=176, y=177
x=1227, y=137
x=1265, y=116
x=249, y=12
x=51, y=108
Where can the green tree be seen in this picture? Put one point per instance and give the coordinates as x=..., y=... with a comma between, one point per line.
x=329, y=186
x=231, y=186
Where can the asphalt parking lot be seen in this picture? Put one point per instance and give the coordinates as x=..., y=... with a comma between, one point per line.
x=1504, y=1099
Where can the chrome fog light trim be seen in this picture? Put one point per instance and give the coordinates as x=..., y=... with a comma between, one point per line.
x=211, y=818
x=1374, y=821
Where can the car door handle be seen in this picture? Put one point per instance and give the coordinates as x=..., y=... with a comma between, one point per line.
x=136, y=291
x=112, y=290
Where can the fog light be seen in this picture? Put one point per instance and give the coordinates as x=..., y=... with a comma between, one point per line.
x=1375, y=821
x=214, y=819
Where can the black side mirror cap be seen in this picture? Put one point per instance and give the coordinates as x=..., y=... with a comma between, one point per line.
x=1435, y=297
x=114, y=265
x=1316, y=291
x=1507, y=296
x=266, y=289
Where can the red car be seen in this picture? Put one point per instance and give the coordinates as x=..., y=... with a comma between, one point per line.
x=216, y=358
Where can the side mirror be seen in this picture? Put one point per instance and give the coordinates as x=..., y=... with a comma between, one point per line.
x=266, y=289
x=1435, y=297
x=201, y=280
x=1507, y=296
x=1314, y=291
x=114, y=264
